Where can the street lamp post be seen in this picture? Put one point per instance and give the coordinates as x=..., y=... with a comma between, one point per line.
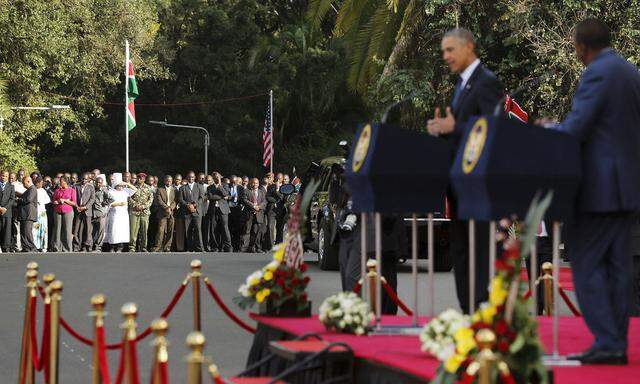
x=206, y=138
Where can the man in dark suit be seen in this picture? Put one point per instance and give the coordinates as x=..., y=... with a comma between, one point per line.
x=219, y=196
x=477, y=92
x=191, y=199
x=165, y=202
x=28, y=214
x=254, y=201
x=7, y=198
x=605, y=117
x=275, y=204
x=237, y=217
x=83, y=228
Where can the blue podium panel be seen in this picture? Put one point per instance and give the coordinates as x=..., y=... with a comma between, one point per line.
x=392, y=170
x=502, y=163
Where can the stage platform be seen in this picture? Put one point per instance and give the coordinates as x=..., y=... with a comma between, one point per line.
x=400, y=357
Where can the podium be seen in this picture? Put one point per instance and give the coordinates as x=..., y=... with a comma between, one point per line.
x=383, y=158
x=499, y=167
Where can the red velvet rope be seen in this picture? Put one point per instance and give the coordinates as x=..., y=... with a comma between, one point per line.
x=226, y=309
x=357, y=288
x=507, y=378
x=120, y=373
x=218, y=380
x=133, y=360
x=466, y=378
x=46, y=334
x=102, y=355
x=164, y=372
x=572, y=307
x=396, y=299
x=37, y=363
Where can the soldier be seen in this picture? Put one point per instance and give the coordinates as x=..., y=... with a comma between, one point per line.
x=139, y=211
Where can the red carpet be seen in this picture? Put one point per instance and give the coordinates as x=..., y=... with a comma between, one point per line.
x=566, y=279
x=403, y=352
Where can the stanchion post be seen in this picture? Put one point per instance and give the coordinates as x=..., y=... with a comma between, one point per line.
x=363, y=259
x=98, y=302
x=160, y=343
x=486, y=358
x=556, y=285
x=129, y=313
x=378, y=239
x=33, y=266
x=472, y=266
x=196, y=266
x=195, y=342
x=414, y=266
x=533, y=281
x=431, y=265
x=55, y=291
x=26, y=370
x=547, y=281
x=371, y=282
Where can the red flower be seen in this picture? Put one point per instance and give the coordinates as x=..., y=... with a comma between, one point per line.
x=287, y=291
x=501, y=328
x=295, y=281
x=478, y=326
x=306, y=280
x=280, y=281
x=503, y=266
x=303, y=267
x=303, y=297
x=503, y=346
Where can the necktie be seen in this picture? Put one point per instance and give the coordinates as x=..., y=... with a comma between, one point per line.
x=457, y=92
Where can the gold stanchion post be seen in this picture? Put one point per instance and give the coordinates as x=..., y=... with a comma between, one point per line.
x=98, y=302
x=33, y=266
x=130, y=313
x=196, y=266
x=55, y=292
x=160, y=328
x=371, y=277
x=195, y=342
x=26, y=372
x=486, y=358
x=547, y=280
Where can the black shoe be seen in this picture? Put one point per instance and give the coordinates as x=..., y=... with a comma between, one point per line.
x=600, y=357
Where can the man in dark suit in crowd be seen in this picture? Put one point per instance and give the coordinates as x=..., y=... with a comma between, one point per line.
x=605, y=117
x=254, y=201
x=7, y=198
x=28, y=214
x=219, y=196
x=237, y=217
x=179, y=231
x=165, y=201
x=275, y=203
x=83, y=227
x=477, y=92
x=191, y=199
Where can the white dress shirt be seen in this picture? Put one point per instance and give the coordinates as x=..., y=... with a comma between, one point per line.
x=466, y=74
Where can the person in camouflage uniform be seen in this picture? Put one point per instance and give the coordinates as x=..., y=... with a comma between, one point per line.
x=139, y=212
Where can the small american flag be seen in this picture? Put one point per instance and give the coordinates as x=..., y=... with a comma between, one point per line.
x=514, y=110
x=267, y=138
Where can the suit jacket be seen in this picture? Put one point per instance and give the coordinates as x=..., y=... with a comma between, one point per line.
x=7, y=199
x=478, y=97
x=164, y=201
x=28, y=205
x=216, y=196
x=605, y=117
x=87, y=198
x=196, y=197
x=274, y=201
x=247, y=201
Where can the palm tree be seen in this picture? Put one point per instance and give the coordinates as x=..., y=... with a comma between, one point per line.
x=375, y=32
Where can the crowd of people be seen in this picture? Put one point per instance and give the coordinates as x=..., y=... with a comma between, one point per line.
x=140, y=213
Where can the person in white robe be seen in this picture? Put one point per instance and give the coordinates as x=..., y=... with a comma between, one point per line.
x=41, y=226
x=117, y=231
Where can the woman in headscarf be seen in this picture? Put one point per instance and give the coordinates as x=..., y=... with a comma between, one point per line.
x=117, y=232
x=64, y=199
x=41, y=226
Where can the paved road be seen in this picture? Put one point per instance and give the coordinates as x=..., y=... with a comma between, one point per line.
x=150, y=280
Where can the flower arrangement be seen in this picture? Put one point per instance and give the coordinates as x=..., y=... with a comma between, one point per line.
x=346, y=312
x=437, y=336
x=276, y=282
x=517, y=346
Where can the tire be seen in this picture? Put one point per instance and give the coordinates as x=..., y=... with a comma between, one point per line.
x=327, y=253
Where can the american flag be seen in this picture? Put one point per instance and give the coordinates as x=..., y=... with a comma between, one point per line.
x=267, y=138
x=514, y=110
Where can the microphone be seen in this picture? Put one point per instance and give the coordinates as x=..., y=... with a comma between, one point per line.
x=392, y=106
x=528, y=84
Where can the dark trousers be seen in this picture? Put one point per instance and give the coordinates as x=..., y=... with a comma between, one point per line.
x=349, y=259
x=280, y=220
x=459, y=235
x=207, y=237
x=251, y=234
x=600, y=254
x=269, y=236
x=193, y=233
x=544, y=248
x=219, y=234
x=99, y=225
x=82, y=232
x=164, y=234
x=237, y=221
x=26, y=236
x=6, y=226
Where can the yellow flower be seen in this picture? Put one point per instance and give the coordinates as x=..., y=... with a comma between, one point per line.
x=476, y=317
x=254, y=280
x=278, y=255
x=465, y=341
x=263, y=294
x=497, y=293
x=268, y=276
x=488, y=313
x=453, y=363
x=463, y=334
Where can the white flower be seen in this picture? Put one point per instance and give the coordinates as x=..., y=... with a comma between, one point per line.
x=437, y=336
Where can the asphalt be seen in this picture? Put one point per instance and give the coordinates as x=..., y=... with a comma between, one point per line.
x=150, y=280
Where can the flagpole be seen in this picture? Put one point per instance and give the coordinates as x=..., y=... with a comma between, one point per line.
x=126, y=103
x=273, y=137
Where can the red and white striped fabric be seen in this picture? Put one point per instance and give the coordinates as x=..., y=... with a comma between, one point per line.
x=514, y=110
x=267, y=139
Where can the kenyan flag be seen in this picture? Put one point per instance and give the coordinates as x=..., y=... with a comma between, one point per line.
x=132, y=94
